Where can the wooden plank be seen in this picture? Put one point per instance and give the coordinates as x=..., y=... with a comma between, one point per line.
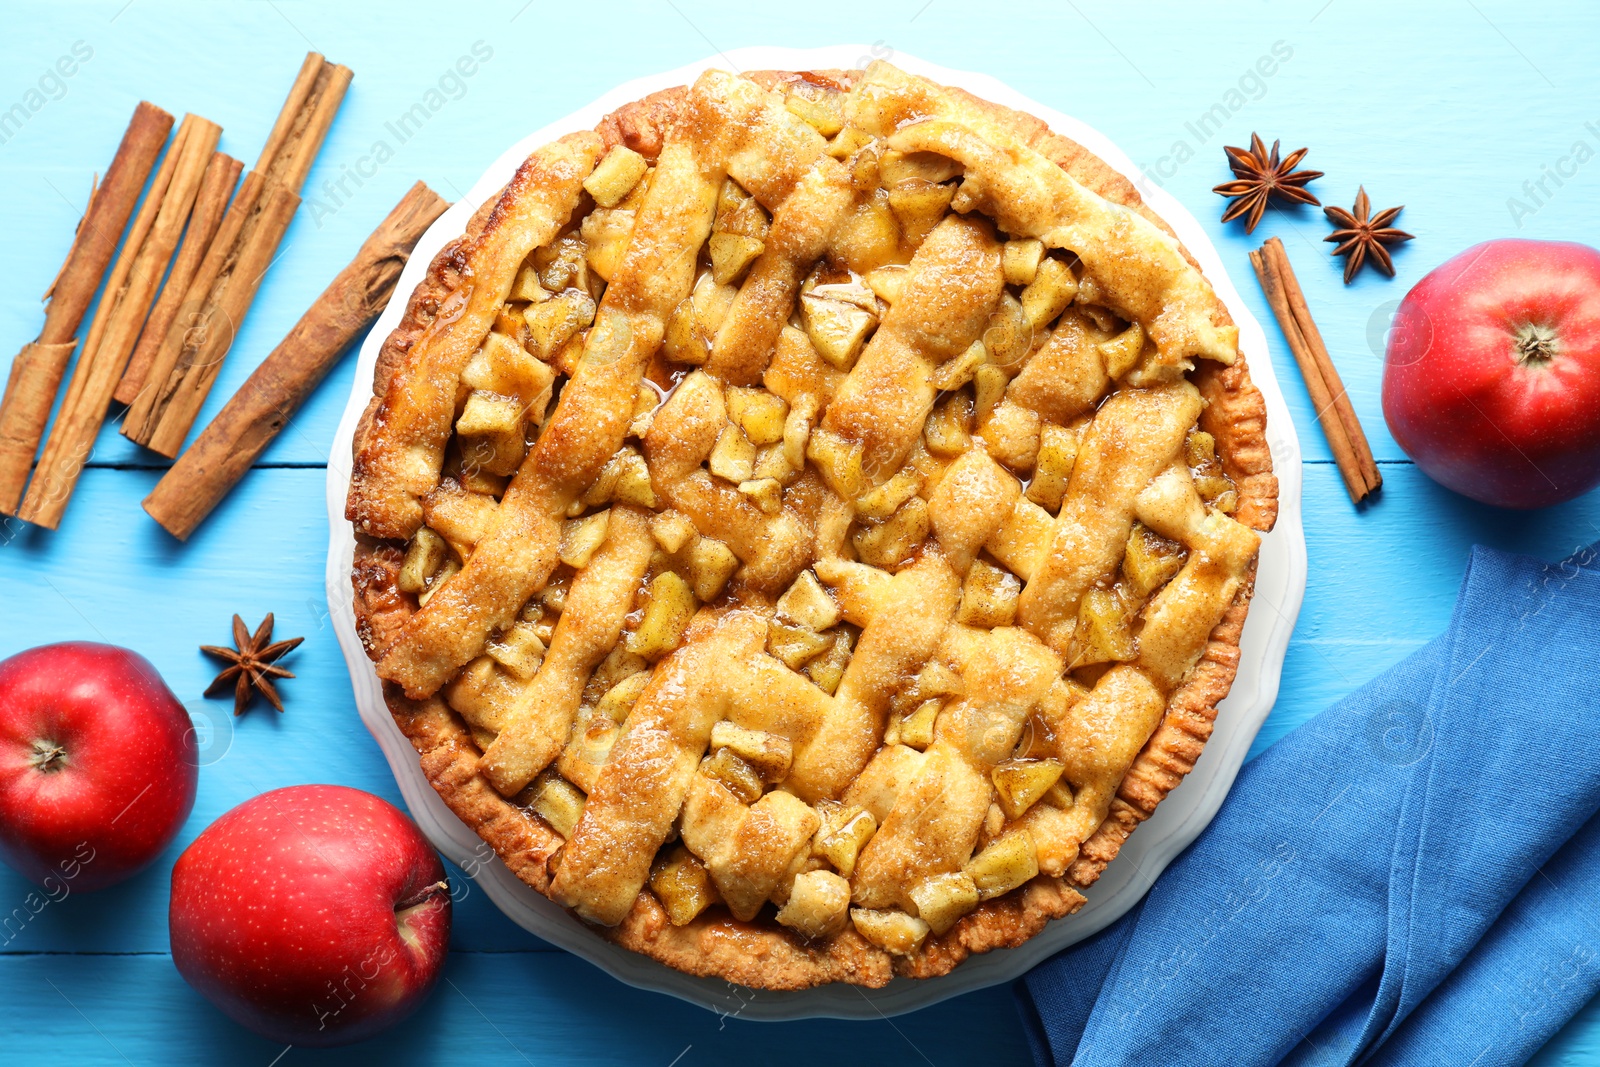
x=132, y=917
x=488, y=1008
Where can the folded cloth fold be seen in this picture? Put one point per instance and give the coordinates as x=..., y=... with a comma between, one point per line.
x=1410, y=877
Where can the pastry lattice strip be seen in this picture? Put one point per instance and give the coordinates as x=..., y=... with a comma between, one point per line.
x=587, y=428
x=1130, y=265
x=399, y=462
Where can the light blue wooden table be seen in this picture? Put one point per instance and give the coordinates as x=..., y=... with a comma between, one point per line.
x=1447, y=107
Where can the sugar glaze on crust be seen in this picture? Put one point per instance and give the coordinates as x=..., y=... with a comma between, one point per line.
x=761, y=953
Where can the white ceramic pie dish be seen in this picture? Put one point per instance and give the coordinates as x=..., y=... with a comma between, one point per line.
x=1280, y=586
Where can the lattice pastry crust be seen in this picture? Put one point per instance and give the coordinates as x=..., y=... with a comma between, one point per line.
x=806, y=523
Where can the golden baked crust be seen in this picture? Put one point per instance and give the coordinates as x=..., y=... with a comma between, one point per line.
x=760, y=952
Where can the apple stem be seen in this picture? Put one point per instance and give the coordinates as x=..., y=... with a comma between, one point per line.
x=48, y=756
x=1536, y=345
x=422, y=897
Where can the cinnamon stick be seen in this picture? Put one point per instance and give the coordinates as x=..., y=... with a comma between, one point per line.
x=1335, y=414
x=303, y=123
x=226, y=448
x=148, y=250
x=222, y=292
x=1330, y=373
x=222, y=174
x=195, y=325
x=191, y=354
x=37, y=370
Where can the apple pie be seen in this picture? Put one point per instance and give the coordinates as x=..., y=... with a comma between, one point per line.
x=805, y=523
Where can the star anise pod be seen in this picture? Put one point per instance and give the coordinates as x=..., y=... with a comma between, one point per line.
x=252, y=664
x=1259, y=176
x=1362, y=237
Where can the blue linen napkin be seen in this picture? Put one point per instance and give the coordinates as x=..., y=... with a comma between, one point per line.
x=1410, y=877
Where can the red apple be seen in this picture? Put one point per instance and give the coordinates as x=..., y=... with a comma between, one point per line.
x=314, y=915
x=98, y=764
x=1492, y=382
